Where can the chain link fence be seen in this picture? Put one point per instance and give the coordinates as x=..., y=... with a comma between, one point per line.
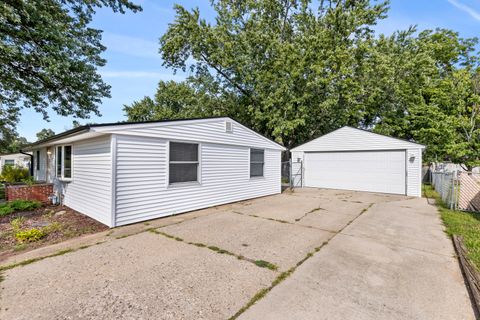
x=459, y=190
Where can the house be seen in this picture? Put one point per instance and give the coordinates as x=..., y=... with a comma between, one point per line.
x=355, y=159
x=121, y=173
x=14, y=159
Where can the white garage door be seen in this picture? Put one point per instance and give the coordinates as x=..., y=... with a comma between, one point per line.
x=374, y=171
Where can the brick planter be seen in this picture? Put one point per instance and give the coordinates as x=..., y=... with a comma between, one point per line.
x=39, y=192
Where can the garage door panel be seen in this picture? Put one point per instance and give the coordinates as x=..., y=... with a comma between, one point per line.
x=375, y=171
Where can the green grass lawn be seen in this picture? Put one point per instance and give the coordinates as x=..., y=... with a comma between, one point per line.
x=464, y=224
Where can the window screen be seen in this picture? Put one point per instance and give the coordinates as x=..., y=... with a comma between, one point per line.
x=256, y=162
x=38, y=159
x=9, y=162
x=183, y=165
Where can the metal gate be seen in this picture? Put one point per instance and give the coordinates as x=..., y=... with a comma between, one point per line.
x=292, y=174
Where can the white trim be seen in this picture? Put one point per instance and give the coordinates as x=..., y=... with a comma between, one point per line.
x=113, y=153
x=62, y=164
x=198, y=163
x=123, y=127
x=405, y=144
x=250, y=164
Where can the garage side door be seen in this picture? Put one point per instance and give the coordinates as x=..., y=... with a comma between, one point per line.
x=374, y=171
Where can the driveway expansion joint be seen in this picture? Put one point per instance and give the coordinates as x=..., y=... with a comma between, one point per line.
x=284, y=275
x=283, y=221
x=258, y=262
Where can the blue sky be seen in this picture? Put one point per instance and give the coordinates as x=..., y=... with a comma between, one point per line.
x=134, y=66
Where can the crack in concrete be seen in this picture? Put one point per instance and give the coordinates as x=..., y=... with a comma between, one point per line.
x=258, y=262
x=283, y=221
x=284, y=275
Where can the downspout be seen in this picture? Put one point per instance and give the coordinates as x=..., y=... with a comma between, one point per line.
x=31, y=161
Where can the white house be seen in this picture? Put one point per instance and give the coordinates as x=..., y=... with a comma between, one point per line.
x=122, y=173
x=355, y=159
x=14, y=159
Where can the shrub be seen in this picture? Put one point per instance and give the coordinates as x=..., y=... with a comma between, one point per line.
x=17, y=223
x=30, y=235
x=24, y=205
x=12, y=174
x=18, y=205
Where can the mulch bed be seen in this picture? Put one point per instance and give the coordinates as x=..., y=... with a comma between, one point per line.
x=68, y=224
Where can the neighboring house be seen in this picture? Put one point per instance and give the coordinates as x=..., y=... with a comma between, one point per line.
x=14, y=159
x=355, y=159
x=123, y=173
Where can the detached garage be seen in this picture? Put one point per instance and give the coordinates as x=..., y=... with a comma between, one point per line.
x=355, y=159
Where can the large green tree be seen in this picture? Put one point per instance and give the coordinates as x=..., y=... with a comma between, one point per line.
x=288, y=68
x=294, y=70
x=49, y=57
x=427, y=89
x=45, y=134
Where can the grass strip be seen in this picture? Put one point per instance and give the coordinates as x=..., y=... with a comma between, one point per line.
x=459, y=223
x=258, y=263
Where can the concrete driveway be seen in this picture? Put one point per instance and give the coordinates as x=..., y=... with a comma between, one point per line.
x=310, y=254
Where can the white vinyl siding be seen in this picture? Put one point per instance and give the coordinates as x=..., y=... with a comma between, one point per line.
x=351, y=139
x=210, y=130
x=89, y=192
x=143, y=192
x=414, y=172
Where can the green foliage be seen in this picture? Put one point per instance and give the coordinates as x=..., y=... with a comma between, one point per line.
x=18, y=205
x=265, y=264
x=11, y=141
x=284, y=69
x=45, y=134
x=29, y=181
x=49, y=56
x=17, y=223
x=12, y=174
x=30, y=235
x=294, y=70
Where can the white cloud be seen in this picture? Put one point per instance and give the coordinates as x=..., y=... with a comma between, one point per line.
x=131, y=46
x=140, y=74
x=472, y=12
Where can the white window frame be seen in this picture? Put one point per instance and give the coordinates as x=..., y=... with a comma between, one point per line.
x=250, y=164
x=62, y=164
x=198, y=162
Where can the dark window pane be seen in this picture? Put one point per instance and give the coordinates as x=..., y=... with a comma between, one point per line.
x=183, y=151
x=59, y=162
x=38, y=159
x=256, y=169
x=9, y=162
x=67, y=162
x=256, y=155
x=183, y=172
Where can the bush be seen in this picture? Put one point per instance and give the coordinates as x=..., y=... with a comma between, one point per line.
x=12, y=174
x=30, y=235
x=18, y=205
x=17, y=223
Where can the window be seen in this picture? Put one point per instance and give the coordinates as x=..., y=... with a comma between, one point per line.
x=38, y=159
x=9, y=162
x=256, y=162
x=183, y=166
x=64, y=162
